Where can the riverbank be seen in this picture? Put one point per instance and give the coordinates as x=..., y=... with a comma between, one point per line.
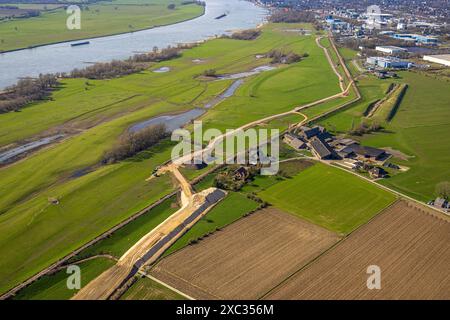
x=62, y=58
x=166, y=18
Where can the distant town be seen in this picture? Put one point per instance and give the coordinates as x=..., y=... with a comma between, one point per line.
x=394, y=35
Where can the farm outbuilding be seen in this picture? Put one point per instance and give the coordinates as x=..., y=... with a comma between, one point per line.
x=322, y=149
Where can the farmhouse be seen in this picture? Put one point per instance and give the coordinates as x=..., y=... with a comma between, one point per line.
x=322, y=149
x=241, y=173
x=441, y=204
x=377, y=173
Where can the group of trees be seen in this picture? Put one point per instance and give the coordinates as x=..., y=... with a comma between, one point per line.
x=249, y=34
x=279, y=56
x=210, y=73
x=11, y=12
x=157, y=55
x=292, y=16
x=26, y=91
x=227, y=179
x=135, y=142
x=365, y=128
x=136, y=63
x=108, y=70
x=443, y=190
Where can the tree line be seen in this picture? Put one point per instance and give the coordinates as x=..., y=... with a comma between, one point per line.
x=292, y=16
x=249, y=34
x=279, y=56
x=134, y=142
x=26, y=91
x=30, y=90
x=136, y=63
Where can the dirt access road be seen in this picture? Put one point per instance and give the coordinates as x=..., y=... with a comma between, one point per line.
x=151, y=246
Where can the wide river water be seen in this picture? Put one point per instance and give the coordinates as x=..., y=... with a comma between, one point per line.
x=63, y=58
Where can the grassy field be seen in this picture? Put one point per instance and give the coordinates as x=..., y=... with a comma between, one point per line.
x=34, y=233
x=417, y=130
x=97, y=20
x=329, y=197
x=371, y=90
x=278, y=90
x=230, y=209
x=54, y=287
x=147, y=289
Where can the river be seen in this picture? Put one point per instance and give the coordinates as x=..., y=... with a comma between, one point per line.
x=63, y=57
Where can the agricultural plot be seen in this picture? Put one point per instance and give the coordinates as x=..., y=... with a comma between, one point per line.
x=246, y=259
x=410, y=244
x=329, y=197
x=147, y=289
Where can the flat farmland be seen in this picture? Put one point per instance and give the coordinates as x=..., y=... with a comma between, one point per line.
x=246, y=259
x=410, y=244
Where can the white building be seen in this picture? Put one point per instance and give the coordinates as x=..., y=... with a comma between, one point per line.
x=390, y=49
x=401, y=26
x=443, y=59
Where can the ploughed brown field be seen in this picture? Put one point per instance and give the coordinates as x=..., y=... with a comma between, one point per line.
x=247, y=258
x=410, y=244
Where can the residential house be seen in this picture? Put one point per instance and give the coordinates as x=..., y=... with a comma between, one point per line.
x=441, y=204
x=241, y=173
x=377, y=173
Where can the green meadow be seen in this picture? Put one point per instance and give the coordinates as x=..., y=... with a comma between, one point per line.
x=54, y=286
x=330, y=197
x=420, y=129
x=104, y=18
x=124, y=238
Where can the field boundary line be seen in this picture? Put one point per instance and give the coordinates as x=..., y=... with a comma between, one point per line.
x=166, y=285
x=345, y=237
